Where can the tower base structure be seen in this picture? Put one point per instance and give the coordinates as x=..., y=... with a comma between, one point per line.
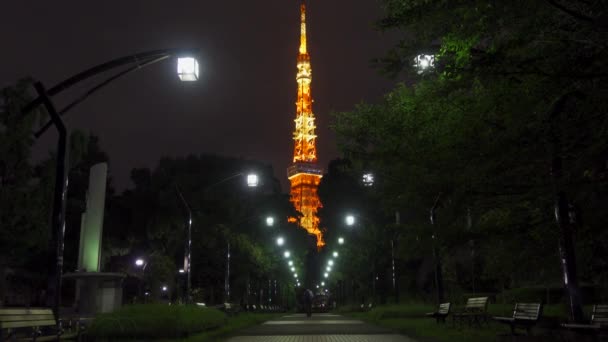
x=305, y=179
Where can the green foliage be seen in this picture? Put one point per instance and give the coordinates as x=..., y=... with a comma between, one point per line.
x=155, y=321
x=24, y=189
x=516, y=85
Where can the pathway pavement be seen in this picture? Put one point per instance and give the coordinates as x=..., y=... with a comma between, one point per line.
x=318, y=328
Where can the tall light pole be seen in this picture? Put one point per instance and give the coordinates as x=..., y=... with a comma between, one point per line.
x=188, y=70
x=188, y=256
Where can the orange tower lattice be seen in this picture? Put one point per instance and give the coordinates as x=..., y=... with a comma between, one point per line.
x=304, y=174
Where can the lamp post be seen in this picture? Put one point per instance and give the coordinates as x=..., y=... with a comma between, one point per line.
x=253, y=181
x=187, y=258
x=187, y=71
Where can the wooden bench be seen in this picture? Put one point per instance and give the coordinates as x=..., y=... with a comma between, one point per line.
x=442, y=312
x=476, y=310
x=26, y=324
x=599, y=320
x=525, y=315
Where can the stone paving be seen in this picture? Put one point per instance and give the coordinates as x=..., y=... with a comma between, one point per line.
x=318, y=328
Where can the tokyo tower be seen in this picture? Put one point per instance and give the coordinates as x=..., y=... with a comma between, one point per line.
x=304, y=174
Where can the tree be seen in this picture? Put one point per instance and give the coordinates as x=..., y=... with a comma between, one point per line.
x=514, y=86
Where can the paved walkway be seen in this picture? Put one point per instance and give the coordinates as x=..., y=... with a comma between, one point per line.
x=318, y=328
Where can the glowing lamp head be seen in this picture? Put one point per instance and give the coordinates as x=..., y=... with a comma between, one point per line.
x=350, y=220
x=335, y=254
x=326, y=275
x=139, y=262
x=322, y=283
x=165, y=288
x=286, y=254
x=424, y=62
x=270, y=221
x=252, y=180
x=280, y=241
x=341, y=240
x=187, y=69
x=290, y=263
x=330, y=262
x=368, y=179
x=182, y=271
x=293, y=269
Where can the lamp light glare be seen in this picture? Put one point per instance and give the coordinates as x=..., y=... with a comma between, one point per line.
x=280, y=241
x=341, y=240
x=330, y=262
x=350, y=220
x=368, y=179
x=252, y=180
x=335, y=254
x=270, y=221
x=187, y=69
x=290, y=263
x=286, y=254
x=139, y=262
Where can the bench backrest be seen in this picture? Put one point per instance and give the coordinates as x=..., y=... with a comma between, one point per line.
x=444, y=308
x=477, y=304
x=11, y=318
x=527, y=311
x=600, y=314
x=227, y=306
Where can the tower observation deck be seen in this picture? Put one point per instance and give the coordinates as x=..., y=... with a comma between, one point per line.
x=304, y=174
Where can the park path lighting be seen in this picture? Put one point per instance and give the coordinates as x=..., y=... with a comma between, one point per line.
x=368, y=179
x=341, y=240
x=330, y=262
x=326, y=275
x=295, y=275
x=139, y=262
x=187, y=69
x=322, y=283
x=424, y=62
x=165, y=288
x=350, y=220
x=290, y=263
x=335, y=254
x=181, y=270
x=128, y=64
x=293, y=269
x=252, y=180
x=286, y=254
x=328, y=268
x=270, y=221
x=280, y=241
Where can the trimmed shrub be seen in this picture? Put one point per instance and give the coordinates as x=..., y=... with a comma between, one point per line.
x=149, y=321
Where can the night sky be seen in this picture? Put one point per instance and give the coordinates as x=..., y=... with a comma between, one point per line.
x=243, y=105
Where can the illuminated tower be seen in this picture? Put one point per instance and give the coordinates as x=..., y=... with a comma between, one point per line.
x=304, y=174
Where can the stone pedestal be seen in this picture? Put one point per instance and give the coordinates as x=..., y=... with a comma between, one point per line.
x=97, y=292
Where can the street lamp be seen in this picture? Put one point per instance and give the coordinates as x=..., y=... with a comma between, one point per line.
x=164, y=288
x=270, y=221
x=286, y=254
x=326, y=275
x=135, y=62
x=423, y=62
x=293, y=269
x=330, y=262
x=341, y=240
x=280, y=241
x=322, y=283
x=350, y=220
x=368, y=179
x=290, y=263
x=139, y=262
x=252, y=180
x=335, y=254
x=187, y=69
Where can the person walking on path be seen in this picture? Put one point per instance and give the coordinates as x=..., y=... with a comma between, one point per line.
x=308, y=302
